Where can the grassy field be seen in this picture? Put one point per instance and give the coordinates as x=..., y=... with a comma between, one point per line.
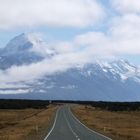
x=118, y=125
x=25, y=124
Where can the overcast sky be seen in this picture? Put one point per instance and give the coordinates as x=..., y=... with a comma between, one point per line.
x=80, y=30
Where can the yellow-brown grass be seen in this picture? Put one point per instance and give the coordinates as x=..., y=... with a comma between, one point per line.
x=123, y=125
x=26, y=124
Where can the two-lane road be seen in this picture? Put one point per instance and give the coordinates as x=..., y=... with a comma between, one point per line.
x=67, y=127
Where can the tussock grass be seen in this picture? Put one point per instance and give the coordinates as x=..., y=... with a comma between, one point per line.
x=25, y=124
x=120, y=125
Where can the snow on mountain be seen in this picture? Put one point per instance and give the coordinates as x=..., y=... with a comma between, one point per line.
x=24, y=49
x=27, y=42
x=116, y=80
x=97, y=81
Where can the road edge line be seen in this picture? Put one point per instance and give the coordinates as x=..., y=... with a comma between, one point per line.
x=88, y=127
x=53, y=125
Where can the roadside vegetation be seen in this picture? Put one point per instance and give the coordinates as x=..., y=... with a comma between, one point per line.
x=32, y=119
x=25, y=119
x=119, y=121
x=22, y=104
x=111, y=106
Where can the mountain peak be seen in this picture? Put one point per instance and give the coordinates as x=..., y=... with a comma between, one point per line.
x=31, y=42
x=18, y=43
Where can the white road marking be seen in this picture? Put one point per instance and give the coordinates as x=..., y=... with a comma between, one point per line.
x=53, y=125
x=87, y=127
x=74, y=133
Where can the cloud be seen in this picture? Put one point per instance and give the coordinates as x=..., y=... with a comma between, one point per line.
x=124, y=28
x=33, y=71
x=75, y=13
x=122, y=36
x=12, y=86
x=15, y=91
x=122, y=39
x=127, y=6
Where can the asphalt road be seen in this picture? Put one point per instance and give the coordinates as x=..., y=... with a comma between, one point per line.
x=67, y=127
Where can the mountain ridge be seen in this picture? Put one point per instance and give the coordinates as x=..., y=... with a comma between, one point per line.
x=117, y=80
x=23, y=49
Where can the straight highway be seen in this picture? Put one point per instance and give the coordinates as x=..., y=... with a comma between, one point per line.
x=67, y=127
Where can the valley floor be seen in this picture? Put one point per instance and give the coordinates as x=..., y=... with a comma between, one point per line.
x=25, y=124
x=119, y=125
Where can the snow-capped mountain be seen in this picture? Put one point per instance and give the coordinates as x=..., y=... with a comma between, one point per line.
x=116, y=80
x=111, y=81
x=24, y=49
